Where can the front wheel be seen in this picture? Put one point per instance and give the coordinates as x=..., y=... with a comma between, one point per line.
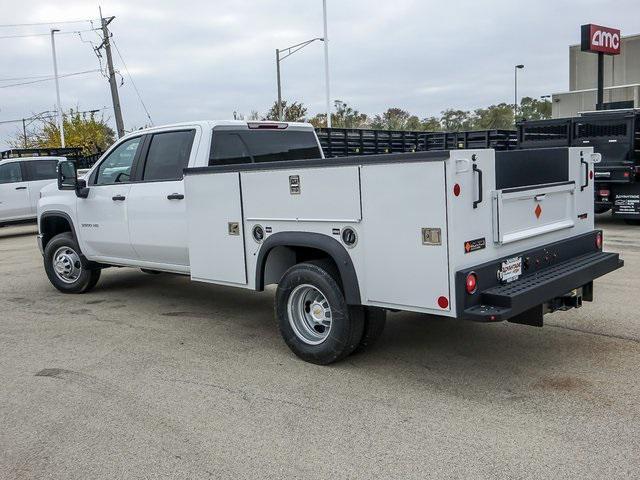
x=64, y=267
x=314, y=319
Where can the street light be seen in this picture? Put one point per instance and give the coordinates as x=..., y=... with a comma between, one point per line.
x=515, y=103
x=326, y=62
x=279, y=58
x=55, y=74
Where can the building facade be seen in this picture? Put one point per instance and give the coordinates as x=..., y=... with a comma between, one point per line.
x=621, y=80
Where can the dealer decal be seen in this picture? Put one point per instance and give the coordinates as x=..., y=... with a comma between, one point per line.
x=474, y=245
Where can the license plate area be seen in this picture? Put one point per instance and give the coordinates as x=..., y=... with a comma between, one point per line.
x=510, y=270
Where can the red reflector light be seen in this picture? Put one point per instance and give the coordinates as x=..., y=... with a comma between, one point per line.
x=626, y=174
x=472, y=283
x=267, y=126
x=599, y=240
x=591, y=174
x=456, y=190
x=443, y=302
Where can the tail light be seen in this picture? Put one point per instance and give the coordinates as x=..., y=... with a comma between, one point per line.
x=471, y=283
x=604, y=192
x=599, y=240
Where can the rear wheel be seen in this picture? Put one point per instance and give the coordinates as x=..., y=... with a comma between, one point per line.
x=375, y=320
x=65, y=268
x=313, y=317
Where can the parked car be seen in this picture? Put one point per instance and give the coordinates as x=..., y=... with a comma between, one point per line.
x=478, y=234
x=21, y=180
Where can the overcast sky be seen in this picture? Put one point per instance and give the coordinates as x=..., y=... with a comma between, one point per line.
x=206, y=59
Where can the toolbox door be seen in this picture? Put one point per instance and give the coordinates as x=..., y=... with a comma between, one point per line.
x=405, y=236
x=216, y=236
x=521, y=213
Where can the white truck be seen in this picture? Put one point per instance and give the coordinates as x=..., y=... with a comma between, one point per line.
x=21, y=180
x=472, y=234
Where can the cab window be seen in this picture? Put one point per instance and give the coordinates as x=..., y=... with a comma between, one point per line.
x=168, y=156
x=41, y=169
x=116, y=168
x=10, y=173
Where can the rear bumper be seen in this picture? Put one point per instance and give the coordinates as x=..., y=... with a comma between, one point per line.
x=545, y=288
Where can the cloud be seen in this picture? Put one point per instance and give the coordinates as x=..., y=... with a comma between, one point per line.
x=206, y=59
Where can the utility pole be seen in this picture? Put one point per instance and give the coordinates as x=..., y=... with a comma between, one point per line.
x=112, y=76
x=279, y=85
x=326, y=62
x=55, y=74
x=24, y=131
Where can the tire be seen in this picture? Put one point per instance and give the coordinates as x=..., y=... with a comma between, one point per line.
x=599, y=209
x=65, y=268
x=313, y=316
x=374, y=321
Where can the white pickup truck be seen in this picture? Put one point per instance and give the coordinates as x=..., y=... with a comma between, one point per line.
x=472, y=234
x=21, y=179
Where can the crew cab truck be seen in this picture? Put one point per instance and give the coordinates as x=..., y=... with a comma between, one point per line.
x=472, y=234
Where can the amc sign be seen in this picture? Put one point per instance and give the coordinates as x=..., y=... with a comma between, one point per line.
x=600, y=39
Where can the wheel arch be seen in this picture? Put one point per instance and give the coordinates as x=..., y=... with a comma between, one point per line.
x=53, y=223
x=318, y=242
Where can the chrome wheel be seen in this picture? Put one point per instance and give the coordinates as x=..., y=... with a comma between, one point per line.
x=309, y=314
x=67, y=265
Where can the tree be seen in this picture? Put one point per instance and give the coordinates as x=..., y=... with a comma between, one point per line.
x=295, y=112
x=494, y=117
x=456, y=120
x=347, y=117
x=534, y=109
x=393, y=119
x=83, y=130
x=431, y=124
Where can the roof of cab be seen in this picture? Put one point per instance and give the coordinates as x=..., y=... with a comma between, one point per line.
x=209, y=124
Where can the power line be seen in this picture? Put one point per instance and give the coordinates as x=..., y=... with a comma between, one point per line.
x=52, y=114
x=15, y=79
x=25, y=35
x=132, y=82
x=49, y=78
x=10, y=25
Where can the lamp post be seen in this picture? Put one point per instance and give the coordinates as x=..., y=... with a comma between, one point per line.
x=515, y=98
x=281, y=55
x=55, y=74
x=326, y=62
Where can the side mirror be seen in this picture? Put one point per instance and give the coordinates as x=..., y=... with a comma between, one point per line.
x=67, y=175
x=68, y=179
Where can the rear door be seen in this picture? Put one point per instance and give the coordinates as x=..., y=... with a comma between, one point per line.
x=157, y=214
x=14, y=193
x=40, y=173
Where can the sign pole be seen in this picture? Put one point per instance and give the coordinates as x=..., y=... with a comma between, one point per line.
x=600, y=101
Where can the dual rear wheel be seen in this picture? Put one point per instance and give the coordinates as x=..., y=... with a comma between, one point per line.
x=314, y=319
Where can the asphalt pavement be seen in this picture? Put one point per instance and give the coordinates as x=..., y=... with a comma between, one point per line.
x=153, y=376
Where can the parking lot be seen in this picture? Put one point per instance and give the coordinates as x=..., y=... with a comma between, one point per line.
x=153, y=376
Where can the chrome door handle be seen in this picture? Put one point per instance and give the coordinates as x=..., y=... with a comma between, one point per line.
x=118, y=198
x=539, y=198
x=175, y=196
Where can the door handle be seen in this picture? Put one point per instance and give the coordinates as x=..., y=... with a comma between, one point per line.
x=118, y=198
x=175, y=196
x=21, y=188
x=479, y=200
